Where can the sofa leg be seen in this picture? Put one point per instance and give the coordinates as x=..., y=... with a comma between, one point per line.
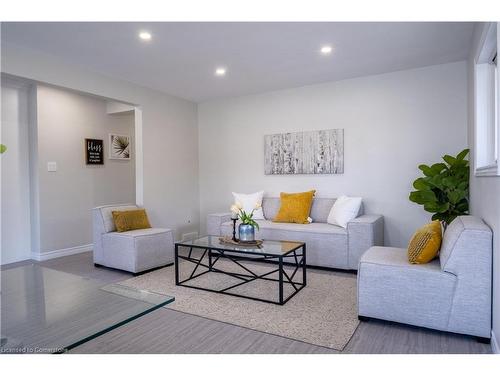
x=97, y=265
x=363, y=318
x=483, y=340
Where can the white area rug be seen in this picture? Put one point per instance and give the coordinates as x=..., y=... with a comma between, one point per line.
x=323, y=313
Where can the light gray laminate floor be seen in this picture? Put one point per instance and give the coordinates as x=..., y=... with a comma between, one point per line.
x=168, y=331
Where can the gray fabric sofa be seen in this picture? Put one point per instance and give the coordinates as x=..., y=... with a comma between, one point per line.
x=327, y=245
x=451, y=293
x=135, y=251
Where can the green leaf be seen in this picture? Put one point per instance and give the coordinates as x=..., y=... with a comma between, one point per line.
x=462, y=154
x=455, y=196
x=3, y=148
x=436, y=207
x=450, y=182
x=449, y=159
x=431, y=207
x=426, y=170
x=423, y=196
x=438, y=167
x=443, y=207
x=421, y=184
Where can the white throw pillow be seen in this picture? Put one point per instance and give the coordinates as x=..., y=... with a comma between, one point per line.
x=344, y=210
x=248, y=201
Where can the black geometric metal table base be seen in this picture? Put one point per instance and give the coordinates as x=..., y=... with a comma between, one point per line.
x=207, y=262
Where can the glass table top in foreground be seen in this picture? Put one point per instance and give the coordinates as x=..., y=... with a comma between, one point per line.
x=47, y=311
x=267, y=247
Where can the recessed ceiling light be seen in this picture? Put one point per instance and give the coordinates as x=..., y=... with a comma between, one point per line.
x=326, y=50
x=144, y=35
x=220, y=72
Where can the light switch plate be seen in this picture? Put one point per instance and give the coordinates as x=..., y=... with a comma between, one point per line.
x=51, y=166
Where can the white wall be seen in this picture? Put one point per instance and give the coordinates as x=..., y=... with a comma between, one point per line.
x=393, y=122
x=485, y=193
x=15, y=174
x=65, y=119
x=170, y=136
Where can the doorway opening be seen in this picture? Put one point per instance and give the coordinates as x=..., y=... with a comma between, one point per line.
x=68, y=152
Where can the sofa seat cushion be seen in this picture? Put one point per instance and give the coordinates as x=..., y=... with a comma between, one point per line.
x=305, y=228
x=326, y=244
x=391, y=288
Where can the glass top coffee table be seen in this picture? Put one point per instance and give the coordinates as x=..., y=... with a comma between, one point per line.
x=274, y=272
x=48, y=311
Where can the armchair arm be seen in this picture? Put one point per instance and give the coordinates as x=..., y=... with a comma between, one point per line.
x=364, y=232
x=214, y=221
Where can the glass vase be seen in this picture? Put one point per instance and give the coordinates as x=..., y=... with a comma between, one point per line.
x=247, y=232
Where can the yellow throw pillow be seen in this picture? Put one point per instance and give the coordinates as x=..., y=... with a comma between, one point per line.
x=130, y=220
x=295, y=207
x=425, y=243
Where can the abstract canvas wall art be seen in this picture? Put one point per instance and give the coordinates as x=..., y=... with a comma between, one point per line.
x=312, y=152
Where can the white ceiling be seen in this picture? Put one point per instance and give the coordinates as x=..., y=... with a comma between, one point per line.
x=181, y=57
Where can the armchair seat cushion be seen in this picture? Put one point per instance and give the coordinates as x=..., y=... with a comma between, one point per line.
x=391, y=288
x=395, y=257
x=140, y=232
x=138, y=250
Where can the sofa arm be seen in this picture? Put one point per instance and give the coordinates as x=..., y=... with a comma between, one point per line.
x=214, y=221
x=364, y=232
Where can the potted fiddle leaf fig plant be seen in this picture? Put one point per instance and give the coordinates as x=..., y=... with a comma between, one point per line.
x=248, y=224
x=444, y=188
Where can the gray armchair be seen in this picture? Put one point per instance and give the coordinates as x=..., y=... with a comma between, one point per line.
x=135, y=251
x=451, y=293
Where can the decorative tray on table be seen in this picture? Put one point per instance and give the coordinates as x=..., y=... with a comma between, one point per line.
x=230, y=241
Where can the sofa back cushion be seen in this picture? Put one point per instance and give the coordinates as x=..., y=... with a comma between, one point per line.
x=107, y=215
x=319, y=210
x=465, y=238
x=295, y=207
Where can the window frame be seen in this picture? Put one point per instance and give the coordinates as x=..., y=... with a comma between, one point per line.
x=486, y=104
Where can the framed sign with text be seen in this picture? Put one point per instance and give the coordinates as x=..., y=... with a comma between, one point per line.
x=94, y=151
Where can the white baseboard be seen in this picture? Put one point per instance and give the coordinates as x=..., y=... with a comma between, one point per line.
x=494, y=344
x=46, y=255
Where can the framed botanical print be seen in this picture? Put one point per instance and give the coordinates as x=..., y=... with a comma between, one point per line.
x=119, y=147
